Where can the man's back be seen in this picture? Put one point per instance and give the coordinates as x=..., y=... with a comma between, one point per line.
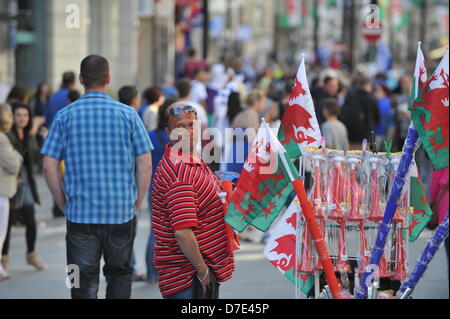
x=360, y=115
x=98, y=138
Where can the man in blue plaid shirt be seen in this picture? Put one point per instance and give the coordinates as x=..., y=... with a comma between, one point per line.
x=107, y=156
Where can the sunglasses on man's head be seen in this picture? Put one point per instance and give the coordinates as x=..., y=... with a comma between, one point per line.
x=187, y=109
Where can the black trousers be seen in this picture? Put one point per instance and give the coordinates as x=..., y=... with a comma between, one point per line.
x=28, y=217
x=86, y=244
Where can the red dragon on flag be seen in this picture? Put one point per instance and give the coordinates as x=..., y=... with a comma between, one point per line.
x=430, y=115
x=299, y=127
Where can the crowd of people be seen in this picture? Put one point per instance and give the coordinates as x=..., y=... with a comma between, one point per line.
x=232, y=93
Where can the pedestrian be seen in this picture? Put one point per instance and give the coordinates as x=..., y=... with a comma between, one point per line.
x=107, y=156
x=330, y=90
x=185, y=87
x=17, y=94
x=385, y=130
x=154, y=96
x=191, y=240
x=403, y=116
x=23, y=139
x=192, y=64
x=58, y=100
x=40, y=100
x=159, y=140
x=199, y=95
x=169, y=88
x=10, y=163
x=333, y=130
x=129, y=95
x=73, y=96
x=218, y=81
x=38, y=106
x=360, y=113
x=249, y=118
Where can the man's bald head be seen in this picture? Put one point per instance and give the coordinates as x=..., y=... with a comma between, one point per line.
x=183, y=126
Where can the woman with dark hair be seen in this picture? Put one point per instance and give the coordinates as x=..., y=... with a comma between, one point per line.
x=234, y=105
x=23, y=139
x=40, y=99
x=154, y=96
x=159, y=140
x=18, y=94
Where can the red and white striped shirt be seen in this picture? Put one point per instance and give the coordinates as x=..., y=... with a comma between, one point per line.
x=185, y=195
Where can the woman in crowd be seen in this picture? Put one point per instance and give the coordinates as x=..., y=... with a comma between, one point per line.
x=17, y=94
x=155, y=98
x=10, y=163
x=385, y=130
x=40, y=100
x=23, y=139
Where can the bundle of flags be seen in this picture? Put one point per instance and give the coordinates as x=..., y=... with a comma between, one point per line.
x=429, y=112
x=264, y=186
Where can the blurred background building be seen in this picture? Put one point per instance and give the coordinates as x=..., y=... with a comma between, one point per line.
x=146, y=40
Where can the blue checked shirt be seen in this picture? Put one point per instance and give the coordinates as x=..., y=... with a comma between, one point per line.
x=98, y=139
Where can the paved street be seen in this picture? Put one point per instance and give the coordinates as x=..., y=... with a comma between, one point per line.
x=254, y=276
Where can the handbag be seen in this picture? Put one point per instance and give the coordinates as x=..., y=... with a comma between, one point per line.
x=17, y=201
x=23, y=196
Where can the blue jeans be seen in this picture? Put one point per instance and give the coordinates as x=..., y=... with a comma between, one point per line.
x=152, y=273
x=87, y=243
x=196, y=291
x=185, y=294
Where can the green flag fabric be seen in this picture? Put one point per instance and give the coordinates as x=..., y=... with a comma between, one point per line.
x=429, y=114
x=422, y=213
x=263, y=187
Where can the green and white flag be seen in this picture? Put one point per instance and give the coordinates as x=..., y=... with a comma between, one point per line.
x=280, y=248
x=264, y=185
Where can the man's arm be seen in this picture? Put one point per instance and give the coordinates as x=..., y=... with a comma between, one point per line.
x=189, y=246
x=53, y=180
x=143, y=176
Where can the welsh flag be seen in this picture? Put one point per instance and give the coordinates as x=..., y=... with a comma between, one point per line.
x=420, y=75
x=280, y=248
x=263, y=186
x=430, y=115
x=422, y=212
x=299, y=127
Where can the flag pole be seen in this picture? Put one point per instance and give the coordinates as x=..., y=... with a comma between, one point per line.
x=430, y=250
x=311, y=222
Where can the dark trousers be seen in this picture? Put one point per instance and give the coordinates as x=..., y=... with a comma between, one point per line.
x=87, y=243
x=28, y=218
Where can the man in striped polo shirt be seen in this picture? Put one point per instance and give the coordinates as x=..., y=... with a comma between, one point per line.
x=188, y=220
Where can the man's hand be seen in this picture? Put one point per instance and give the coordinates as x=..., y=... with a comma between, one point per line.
x=205, y=279
x=143, y=176
x=189, y=246
x=51, y=174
